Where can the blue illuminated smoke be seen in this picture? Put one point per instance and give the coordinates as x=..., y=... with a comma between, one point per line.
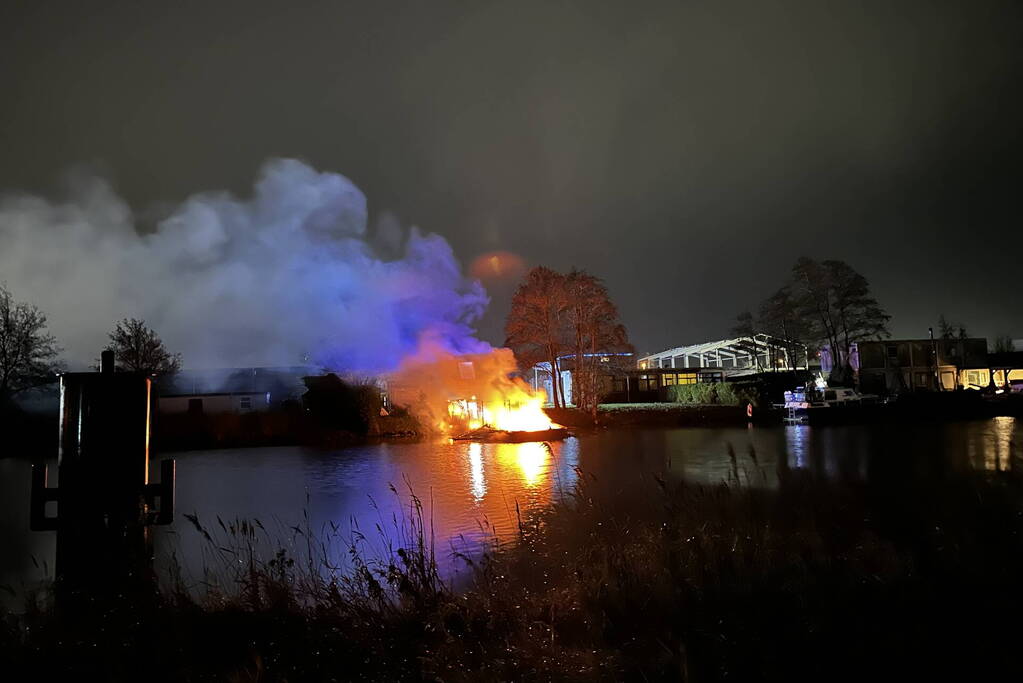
x=291, y=274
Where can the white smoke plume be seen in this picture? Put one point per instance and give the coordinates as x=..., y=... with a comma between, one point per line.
x=285, y=277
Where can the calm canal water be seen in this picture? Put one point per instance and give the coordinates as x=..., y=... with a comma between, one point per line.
x=472, y=492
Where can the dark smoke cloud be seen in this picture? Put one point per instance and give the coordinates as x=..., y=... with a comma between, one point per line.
x=286, y=276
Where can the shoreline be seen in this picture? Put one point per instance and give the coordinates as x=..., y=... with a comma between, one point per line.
x=30, y=433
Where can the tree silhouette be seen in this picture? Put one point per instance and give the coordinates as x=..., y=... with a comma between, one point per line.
x=1003, y=344
x=536, y=324
x=555, y=315
x=824, y=303
x=137, y=348
x=596, y=329
x=27, y=350
x=950, y=330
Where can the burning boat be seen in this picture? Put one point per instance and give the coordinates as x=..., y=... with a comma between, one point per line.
x=491, y=435
x=474, y=397
x=505, y=423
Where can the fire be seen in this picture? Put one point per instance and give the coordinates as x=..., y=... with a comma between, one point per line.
x=527, y=416
x=459, y=392
x=520, y=413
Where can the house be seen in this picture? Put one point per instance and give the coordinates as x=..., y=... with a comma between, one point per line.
x=890, y=366
x=230, y=390
x=1007, y=368
x=650, y=385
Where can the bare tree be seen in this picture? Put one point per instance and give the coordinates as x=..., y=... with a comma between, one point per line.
x=596, y=330
x=746, y=326
x=1003, y=344
x=824, y=304
x=536, y=324
x=953, y=334
x=27, y=351
x=857, y=314
x=780, y=317
x=811, y=286
x=554, y=314
x=836, y=303
x=951, y=330
x=137, y=348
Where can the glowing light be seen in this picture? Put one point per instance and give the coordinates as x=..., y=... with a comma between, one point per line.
x=497, y=266
x=526, y=415
x=998, y=452
x=797, y=446
x=531, y=459
x=521, y=412
x=479, y=483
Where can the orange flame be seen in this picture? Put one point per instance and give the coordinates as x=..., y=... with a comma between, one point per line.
x=469, y=391
x=522, y=413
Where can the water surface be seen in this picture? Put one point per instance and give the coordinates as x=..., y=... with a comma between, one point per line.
x=475, y=493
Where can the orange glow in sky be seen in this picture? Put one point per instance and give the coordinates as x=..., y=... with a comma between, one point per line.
x=497, y=265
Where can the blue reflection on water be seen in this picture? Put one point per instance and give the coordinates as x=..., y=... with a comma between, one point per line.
x=797, y=445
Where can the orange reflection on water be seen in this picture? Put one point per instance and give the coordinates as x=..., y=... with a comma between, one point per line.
x=477, y=480
x=475, y=489
x=531, y=460
x=999, y=454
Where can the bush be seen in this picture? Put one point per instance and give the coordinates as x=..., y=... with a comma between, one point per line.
x=339, y=405
x=719, y=393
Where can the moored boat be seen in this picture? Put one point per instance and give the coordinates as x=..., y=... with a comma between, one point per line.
x=828, y=404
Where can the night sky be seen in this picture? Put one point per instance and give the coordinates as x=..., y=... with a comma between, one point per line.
x=685, y=152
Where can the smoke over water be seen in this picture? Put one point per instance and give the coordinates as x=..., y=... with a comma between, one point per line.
x=288, y=276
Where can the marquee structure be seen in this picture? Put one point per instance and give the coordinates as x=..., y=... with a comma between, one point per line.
x=737, y=356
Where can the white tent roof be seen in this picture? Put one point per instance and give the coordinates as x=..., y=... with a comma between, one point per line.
x=738, y=347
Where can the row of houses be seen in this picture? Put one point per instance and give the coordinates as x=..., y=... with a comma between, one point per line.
x=891, y=366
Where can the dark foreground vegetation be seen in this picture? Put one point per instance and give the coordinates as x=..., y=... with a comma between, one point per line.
x=915, y=574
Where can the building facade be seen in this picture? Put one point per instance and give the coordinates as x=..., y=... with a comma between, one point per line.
x=649, y=378
x=229, y=390
x=892, y=366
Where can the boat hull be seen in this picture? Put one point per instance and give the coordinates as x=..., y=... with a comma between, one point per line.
x=836, y=414
x=501, y=436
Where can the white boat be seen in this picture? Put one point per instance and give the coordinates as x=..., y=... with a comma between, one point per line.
x=826, y=403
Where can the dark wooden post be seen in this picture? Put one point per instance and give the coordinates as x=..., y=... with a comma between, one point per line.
x=105, y=500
